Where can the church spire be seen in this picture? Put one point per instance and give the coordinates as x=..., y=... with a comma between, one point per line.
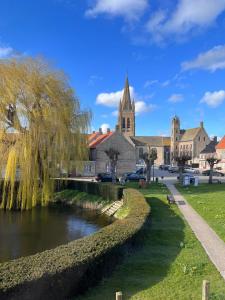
x=126, y=116
x=126, y=101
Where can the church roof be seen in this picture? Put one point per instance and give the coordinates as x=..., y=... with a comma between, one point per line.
x=157, y=141
x=189, y=134
x=221, y=144
x=126, y=100
x=210, y=148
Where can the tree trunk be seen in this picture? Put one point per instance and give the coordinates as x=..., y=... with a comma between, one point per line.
x=113, y=170
x=211, y=174
x=148, y=173
x=180, y=174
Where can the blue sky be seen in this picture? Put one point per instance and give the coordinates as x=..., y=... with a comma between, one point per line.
x=173, y=52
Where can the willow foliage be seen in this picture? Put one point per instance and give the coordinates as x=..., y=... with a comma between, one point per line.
x=42, y=130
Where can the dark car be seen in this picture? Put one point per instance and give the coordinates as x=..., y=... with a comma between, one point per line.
x=214, y=173
x=164, y=167
x=141, y=171
x=133, y=177
x=105, y=177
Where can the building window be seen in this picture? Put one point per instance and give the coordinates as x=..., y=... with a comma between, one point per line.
x=176, y=138
x=199, y=138
x=128, y=122
x=123, y=123
x=204, y=138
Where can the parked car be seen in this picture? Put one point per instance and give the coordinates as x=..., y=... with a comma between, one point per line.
x=164, y=167
x=215, y=173
x=141, y=171
x=191, y=170
x=104, y=177
x=173, y=169
x=133, y=177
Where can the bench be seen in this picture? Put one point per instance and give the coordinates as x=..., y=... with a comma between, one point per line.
x=170, y=199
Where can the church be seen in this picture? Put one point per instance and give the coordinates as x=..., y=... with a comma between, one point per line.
x=132, y=147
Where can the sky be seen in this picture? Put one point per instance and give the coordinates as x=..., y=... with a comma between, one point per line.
x=173, y=52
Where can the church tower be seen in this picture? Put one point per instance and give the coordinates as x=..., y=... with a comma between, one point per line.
x=126, y=118
x=175, y=136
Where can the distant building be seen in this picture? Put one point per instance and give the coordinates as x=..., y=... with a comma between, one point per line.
x=99, y=162
x=220, y=150
x=208, y=151
x=188, y=141
x=132, y=147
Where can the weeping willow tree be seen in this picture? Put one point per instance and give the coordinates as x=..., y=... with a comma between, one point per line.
x=42, y=129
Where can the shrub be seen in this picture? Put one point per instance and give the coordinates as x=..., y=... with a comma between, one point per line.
x=72, y=268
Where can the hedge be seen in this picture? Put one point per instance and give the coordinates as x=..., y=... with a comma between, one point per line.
x=107, y=191
x=70, y=269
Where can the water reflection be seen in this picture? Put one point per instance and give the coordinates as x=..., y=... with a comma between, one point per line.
x=25, y=233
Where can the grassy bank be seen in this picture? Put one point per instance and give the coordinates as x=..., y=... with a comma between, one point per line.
x=75, y=196
x=170, y=265
x=209, y=202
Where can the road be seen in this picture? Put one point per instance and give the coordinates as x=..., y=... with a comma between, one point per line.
x=167, y=177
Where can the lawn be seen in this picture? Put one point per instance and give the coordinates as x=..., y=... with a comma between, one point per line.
x=171, y=264
x=209, y=201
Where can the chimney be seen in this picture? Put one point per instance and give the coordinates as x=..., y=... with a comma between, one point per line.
x=100, y=130
x=201, y=124
x=214, y=139
x=108, y=130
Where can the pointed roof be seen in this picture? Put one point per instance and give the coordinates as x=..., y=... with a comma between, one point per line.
x=221, y=144
x=126, y=101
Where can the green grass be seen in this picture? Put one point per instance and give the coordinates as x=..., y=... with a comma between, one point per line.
x=75, y=196
x=170, y=265
x=209, y=201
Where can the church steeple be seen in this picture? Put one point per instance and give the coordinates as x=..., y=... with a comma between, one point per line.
x=126, y=101
x=126, y=117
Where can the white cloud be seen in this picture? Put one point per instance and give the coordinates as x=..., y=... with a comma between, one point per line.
x=5, y=52
x=115, y=113
x=129, y=9
x=143, y=107
x=188, y=16
x=93, y=79
x=213, y=99
x=149, y=83
x=166, y=83
x=176, y=98
x=104, y=127
x=211, y=60
x=113, y=99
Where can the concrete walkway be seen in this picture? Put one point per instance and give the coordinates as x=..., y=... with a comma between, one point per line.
x=213, y=245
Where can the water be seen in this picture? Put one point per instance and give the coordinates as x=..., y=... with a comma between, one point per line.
x=29, y=232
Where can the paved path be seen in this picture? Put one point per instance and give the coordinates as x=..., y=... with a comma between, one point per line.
x=213, y=245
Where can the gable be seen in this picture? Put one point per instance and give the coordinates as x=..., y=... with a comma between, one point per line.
x=117, y=141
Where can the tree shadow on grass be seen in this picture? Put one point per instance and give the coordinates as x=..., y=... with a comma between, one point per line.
x=149, y=264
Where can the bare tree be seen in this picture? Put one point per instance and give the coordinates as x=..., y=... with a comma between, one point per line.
x=149, y=158
x=181, y=160
x=212, y=160
x=113, y=158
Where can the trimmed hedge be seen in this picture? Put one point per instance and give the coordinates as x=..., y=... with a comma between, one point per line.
x=107, y=191
x=72, y=268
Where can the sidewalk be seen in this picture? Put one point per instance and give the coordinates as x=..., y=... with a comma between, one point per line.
x=213, y=245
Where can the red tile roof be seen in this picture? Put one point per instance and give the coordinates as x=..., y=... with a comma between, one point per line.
x=99, y=139
x=221, y=144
